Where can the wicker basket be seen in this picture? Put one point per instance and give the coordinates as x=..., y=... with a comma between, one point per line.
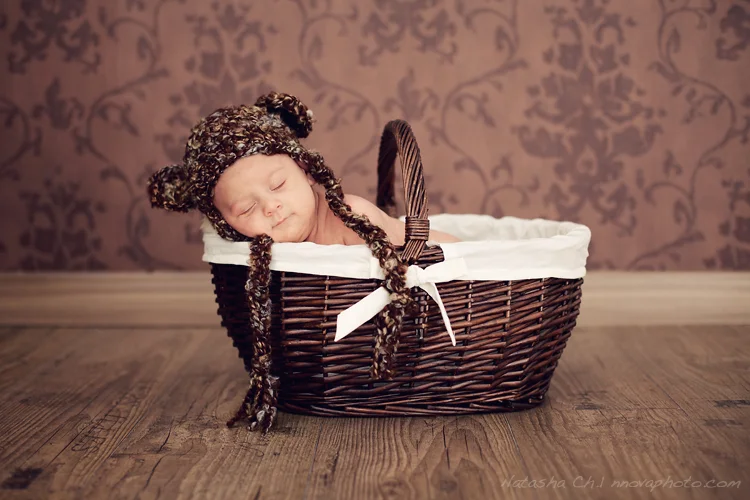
x=509, y=334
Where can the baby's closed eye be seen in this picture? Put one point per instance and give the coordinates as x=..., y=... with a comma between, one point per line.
x=247, y=211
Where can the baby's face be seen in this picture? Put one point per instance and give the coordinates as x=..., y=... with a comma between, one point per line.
x=271, y=195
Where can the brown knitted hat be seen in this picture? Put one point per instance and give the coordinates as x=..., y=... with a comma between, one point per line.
x=273, y=125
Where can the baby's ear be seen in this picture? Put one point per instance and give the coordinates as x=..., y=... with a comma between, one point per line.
x=291, y=110
x=168, y=189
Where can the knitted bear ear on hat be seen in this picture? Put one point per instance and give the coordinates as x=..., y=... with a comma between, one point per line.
x=168, y=189
x=291, y=110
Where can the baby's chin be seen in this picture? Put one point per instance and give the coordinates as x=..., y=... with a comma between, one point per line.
x=289, y=232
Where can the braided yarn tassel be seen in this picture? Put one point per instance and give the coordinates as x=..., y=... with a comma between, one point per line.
x=259, y=404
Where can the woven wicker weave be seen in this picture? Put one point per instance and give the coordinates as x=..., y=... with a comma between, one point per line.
x=510, y=334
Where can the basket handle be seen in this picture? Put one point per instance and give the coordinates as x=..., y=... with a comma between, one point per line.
x=398, y=138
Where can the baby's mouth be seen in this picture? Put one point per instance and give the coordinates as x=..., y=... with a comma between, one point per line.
x=280, y=222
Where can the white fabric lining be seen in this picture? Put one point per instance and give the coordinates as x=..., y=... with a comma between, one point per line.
x=507, y=248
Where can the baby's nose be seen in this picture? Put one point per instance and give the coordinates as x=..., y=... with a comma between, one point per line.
x=272, y=207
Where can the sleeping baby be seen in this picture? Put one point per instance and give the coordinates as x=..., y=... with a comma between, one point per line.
x=274, y=195
x=246, y=171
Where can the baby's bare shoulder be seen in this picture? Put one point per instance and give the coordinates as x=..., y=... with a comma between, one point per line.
x=358, y=203
x=394, y=228
x=365, y=207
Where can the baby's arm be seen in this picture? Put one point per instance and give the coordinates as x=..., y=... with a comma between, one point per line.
x=394, y=228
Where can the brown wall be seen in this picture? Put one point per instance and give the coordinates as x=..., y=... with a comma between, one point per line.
x=629, y=116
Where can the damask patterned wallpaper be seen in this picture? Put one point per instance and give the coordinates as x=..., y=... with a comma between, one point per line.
x=629, y=116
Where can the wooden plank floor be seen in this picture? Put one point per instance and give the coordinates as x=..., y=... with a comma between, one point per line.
x=186, y=299
x=633, y=412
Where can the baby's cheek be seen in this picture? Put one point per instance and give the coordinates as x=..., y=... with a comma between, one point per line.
x=250, y=228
